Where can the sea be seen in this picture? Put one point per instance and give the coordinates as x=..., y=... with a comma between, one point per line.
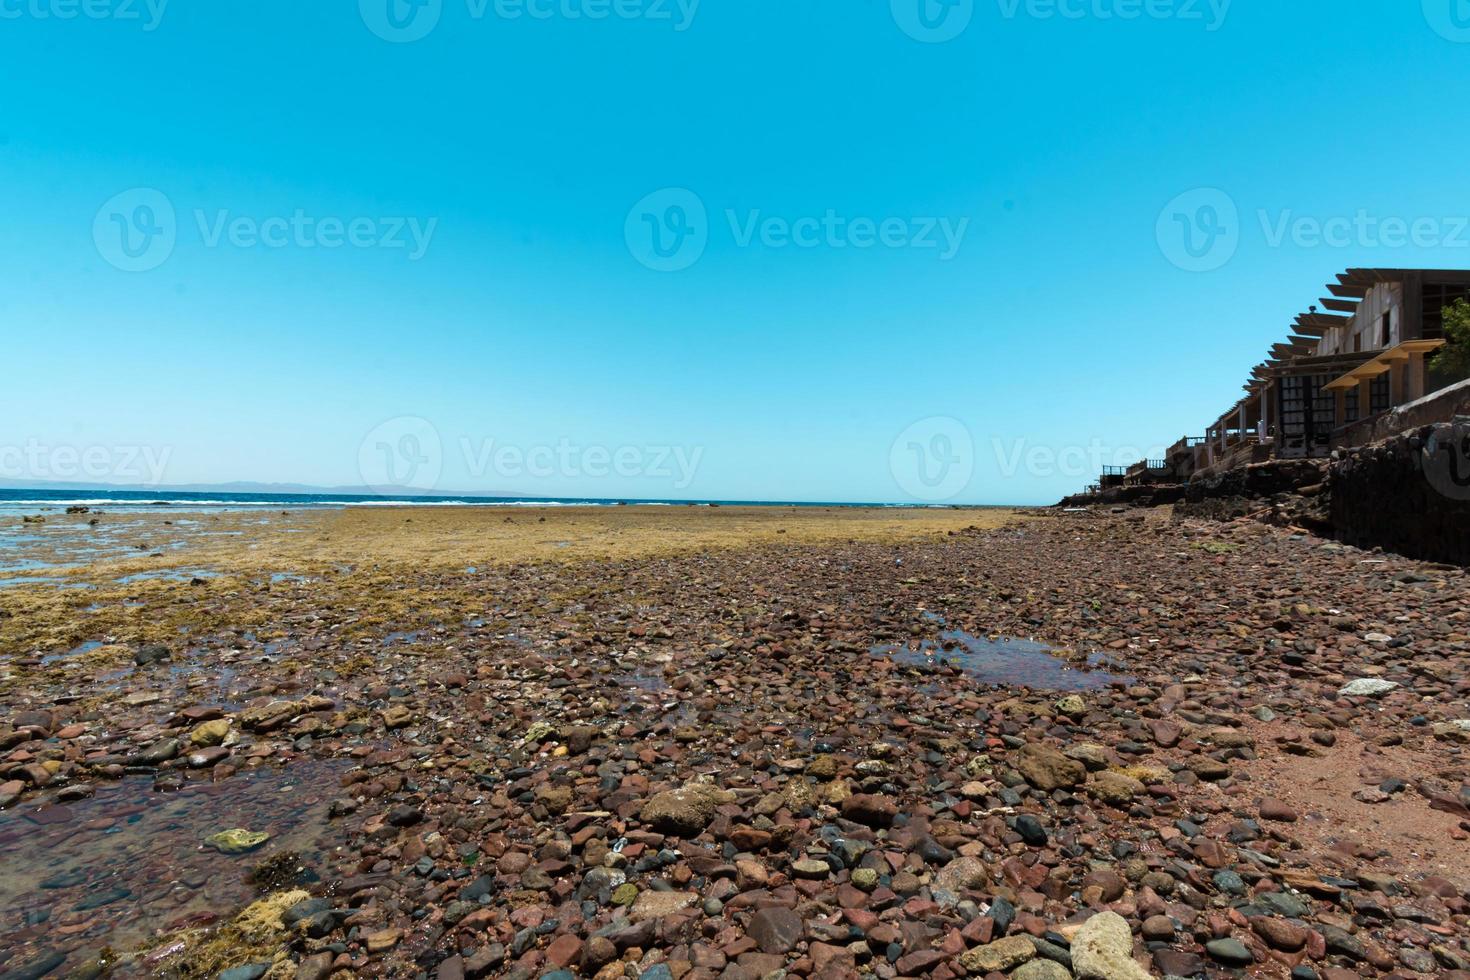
x=35, y=501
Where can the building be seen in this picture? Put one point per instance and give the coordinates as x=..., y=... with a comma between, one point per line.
x=1344, y=366
x=1365, y=352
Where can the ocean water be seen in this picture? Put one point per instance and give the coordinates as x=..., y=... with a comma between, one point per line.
x=32, y=501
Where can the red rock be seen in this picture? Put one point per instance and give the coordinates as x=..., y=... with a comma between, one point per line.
x=564, y=950
x=919, y=961
x=1279, y=933
x=1166, y=734
x=775, y=930
x=871, y=809
x=1276, y=810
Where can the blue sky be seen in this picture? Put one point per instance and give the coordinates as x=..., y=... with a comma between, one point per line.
x=913, y=266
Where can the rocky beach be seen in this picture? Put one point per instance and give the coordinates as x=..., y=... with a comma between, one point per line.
x=741, y=743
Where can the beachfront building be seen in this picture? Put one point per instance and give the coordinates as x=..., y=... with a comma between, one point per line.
x=1341, y=369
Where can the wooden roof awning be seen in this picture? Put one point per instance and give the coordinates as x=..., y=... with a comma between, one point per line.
x=1331, y=365
x=1372, y=277
x=1341, y=305
x=1381, y=363
x=1337, y=289
x=1322, y=321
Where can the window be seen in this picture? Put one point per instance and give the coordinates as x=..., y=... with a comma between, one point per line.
x=1357, y=343
x=1378, y=395
x=1436, y=297
x=1387, y=329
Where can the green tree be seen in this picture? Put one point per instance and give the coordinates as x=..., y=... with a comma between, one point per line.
x=1454, y=357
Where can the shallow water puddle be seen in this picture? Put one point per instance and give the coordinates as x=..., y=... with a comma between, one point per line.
x=109, y=870
x=77, y=651
x=167, y=575
x=41, y=580
x=1003, y=662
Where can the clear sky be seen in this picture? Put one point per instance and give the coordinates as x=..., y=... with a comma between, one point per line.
x=734, y=249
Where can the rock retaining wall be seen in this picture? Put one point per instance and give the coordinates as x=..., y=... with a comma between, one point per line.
x=1148, y=495
x=1409, y=494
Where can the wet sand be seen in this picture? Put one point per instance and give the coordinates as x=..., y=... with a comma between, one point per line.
x=680, y=743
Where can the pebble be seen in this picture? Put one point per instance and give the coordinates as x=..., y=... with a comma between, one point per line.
x=704, y=763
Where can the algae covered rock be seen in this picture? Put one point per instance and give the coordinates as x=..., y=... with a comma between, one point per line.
x=237, y=840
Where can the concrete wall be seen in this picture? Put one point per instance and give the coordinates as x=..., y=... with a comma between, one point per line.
x=1447, y=403
x=1367, y=323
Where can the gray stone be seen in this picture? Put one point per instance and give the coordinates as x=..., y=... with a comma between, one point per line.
x=1231, y=952
x=1370, y=687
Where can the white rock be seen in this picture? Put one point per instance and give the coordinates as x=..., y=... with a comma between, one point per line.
x=1366, y=687
x=1103, y=950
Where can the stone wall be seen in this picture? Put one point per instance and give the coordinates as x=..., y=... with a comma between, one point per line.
x=1447, y=403
x=1409, y=494
x=1256, y=481
x=1282, y=492
x=1147, y=495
